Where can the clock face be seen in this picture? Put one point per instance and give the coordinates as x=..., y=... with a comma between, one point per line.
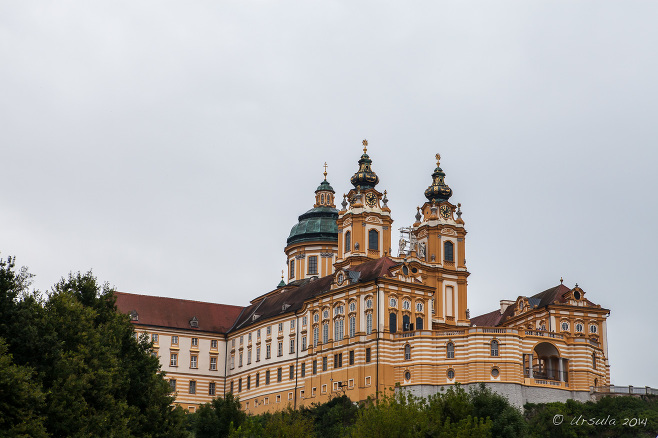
x=445, y=211
x=371, y=199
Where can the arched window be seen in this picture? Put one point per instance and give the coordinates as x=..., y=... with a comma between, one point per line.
x=448, y=251
x=407, y=352
x=368, y=323
x=405, y=323
x=450, y=351
x=373, y=239
x=419, y=323
x=494, y=348
x=348, y=241
x=393, y=322
x=322, y=199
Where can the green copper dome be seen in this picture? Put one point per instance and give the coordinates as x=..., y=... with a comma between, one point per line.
x=365, y=178
x=324, y=187
x=317, y=224
x=439, y=190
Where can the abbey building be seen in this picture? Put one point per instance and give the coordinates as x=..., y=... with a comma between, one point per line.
x=358, y=315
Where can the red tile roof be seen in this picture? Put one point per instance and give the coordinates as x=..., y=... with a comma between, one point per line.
x=177, y=313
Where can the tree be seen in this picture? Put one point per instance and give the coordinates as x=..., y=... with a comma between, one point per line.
x=20, y=399
x=98, y=379
x=215, y=419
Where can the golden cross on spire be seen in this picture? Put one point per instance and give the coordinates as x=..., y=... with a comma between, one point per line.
x=281, y=274
x=325, y=170
x=365, y=146
x=438, y=158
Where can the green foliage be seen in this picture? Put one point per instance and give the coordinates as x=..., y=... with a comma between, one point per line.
x=507, y=421
x=333, y=418
x=20, y=399
x=89, y=375
x=580, y=419
x=215, y=419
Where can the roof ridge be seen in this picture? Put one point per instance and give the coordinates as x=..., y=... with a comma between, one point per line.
x=178, y=299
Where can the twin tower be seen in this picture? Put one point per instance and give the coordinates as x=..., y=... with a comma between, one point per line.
x=431, y=251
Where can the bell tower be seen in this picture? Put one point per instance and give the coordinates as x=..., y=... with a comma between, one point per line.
x=440, y=235
x=364, y=221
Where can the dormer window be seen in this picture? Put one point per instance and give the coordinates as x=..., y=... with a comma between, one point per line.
x=194, y=322
x=134, y=316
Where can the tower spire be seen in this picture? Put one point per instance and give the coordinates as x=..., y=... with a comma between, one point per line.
x=438, y=190
x=325, y=171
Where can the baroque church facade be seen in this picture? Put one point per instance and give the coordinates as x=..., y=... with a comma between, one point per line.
x=354, y=319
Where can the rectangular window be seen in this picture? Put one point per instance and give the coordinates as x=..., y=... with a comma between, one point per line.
x=292, y=268
x=292, y=372
x=213, y=364
x=258, y=333
x=257, y=354
x=316, y=335
x=195, y=342
x=172, y=384
x=315, y=366
x=233, y=343
x=304, y=321
x=367, y=355
x=324, y=389
x=280, y=327
x=280, y=349
x=303, y=370
x=240, y=360
x=268, y=331
x=368, y=381
x=248, y=357
x=336, y=360
x=174, y=340
x=173, y=362
x=267, y=377
x=325, y=333
x=213, y=344
x=279, y=374
x=369, y=324
x=303, y=343
x=249, y=339
x=324, y=363
x=268, y=351
x=257, y=380
x=240, y=384
x=231, y=385
x=278, y=399
x=248, y=382
x=211, y=388
x=154, y=338
x=313, y=264
x=193, y=361
x=232, y=361
x=339, y=330
x=241, y=339
x=292, y=346
x=352, y=326
x=292, y=324
x=192, y=387
x=351, y=357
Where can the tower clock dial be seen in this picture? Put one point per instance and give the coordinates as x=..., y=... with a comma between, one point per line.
x=371, y=199
x=445, y=211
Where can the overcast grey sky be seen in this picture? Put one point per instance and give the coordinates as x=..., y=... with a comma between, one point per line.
x=170, y=146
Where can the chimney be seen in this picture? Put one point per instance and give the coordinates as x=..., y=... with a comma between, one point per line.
x=504, y=304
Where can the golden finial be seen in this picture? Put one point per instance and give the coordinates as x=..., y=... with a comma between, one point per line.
x=438, y=158
x=365, y=145
x=325, y=170
x=561, y=280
